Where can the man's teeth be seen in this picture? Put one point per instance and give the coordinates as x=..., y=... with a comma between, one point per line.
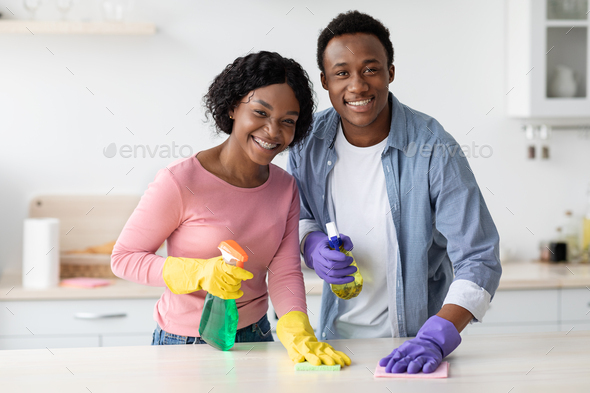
x=359, y=103
x=267, y=146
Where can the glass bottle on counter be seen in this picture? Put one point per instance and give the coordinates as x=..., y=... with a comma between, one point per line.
x=544, y=251
x=558, y=247
x=571, y=237
x=586, y=229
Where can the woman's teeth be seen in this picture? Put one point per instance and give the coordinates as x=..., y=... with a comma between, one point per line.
x=265, y=145
x=359, y=103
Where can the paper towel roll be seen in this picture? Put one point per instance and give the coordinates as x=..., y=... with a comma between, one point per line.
x=41, y=253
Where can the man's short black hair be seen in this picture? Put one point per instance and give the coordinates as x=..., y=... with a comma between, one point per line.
x=353, y=22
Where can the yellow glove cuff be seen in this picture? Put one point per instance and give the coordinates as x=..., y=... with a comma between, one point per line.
x=181, y=275
x=186, y=275
x=294, y=325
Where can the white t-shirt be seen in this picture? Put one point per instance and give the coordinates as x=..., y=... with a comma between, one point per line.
x=362, y=211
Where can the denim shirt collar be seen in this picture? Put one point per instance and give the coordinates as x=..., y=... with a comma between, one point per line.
x=398, y=134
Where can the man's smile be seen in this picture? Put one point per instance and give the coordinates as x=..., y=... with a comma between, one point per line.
x=359, y=102
x=360, y=106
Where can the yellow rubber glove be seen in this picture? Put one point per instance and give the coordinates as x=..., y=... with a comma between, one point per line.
x=186, y=275
x=296, y=334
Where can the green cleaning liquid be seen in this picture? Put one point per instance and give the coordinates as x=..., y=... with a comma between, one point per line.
x=352, y=289
x=219, y=322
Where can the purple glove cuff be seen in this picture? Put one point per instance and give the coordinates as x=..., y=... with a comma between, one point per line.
x=311, y=240
x=441, y=332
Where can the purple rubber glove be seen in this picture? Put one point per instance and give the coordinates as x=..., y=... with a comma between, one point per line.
x=331, y=266
x=435, y=340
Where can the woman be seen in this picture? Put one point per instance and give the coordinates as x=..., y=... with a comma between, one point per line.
x=232, y=191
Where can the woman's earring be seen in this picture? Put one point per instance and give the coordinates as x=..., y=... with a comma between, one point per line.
x=231, y=117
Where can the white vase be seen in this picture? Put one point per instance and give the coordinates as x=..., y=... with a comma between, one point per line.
x=563, y=83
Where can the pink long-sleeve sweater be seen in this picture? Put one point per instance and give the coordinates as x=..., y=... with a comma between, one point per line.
x=194, y=211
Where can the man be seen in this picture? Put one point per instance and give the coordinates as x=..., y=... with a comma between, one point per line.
x=388, y=176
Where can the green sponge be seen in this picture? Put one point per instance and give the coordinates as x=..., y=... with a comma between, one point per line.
x=306, y=366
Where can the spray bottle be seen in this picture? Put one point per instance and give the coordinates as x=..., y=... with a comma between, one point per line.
x=352, y=289
x=219, y=320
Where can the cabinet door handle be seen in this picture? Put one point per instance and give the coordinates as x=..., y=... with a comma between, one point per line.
x=93, y=315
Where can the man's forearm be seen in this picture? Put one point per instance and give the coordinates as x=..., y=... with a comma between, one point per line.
x=457, y=315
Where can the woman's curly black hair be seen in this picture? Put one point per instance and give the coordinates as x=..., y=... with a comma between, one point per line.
x=353, y=22
x=254, y=71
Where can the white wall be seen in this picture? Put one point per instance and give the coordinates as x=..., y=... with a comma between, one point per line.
x=450, y=63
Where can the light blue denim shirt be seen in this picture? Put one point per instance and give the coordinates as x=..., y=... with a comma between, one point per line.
x=441, y=219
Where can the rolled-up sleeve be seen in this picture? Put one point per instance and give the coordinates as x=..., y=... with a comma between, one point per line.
x=463, y=218
x=470, y=296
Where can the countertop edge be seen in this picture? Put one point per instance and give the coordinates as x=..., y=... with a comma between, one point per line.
x=526, y=275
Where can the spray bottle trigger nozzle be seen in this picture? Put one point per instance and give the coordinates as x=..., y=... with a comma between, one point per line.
x=232, y=253
x=333, y=235
x=335, y=242
x=228, y=258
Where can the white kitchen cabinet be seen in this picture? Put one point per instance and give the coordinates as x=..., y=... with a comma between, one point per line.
x=575, y=309
x=71, y=323
x=126, y=340
x=522, y=307
x=521, y=311
x=538, y=310
x=541, y=36
x=511, y=311
x=574, y=326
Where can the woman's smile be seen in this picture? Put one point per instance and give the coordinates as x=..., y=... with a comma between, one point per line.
x=265, y=145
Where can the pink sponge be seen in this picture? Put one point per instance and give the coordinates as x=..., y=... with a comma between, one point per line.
x=441, y=372
x=84, y=282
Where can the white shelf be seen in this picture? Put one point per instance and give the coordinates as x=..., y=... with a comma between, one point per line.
x=65, y=27
x=566, y=23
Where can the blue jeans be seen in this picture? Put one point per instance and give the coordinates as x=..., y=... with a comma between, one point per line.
x=257, y=332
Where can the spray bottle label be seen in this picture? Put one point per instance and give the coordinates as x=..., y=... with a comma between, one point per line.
x=353, y=289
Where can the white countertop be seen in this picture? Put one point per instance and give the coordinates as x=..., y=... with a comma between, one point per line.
x=515, y=275
x=547, y=362
x=11, y=289
x=539, y=275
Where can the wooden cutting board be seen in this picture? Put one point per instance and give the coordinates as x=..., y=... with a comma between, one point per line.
x=85, y=220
